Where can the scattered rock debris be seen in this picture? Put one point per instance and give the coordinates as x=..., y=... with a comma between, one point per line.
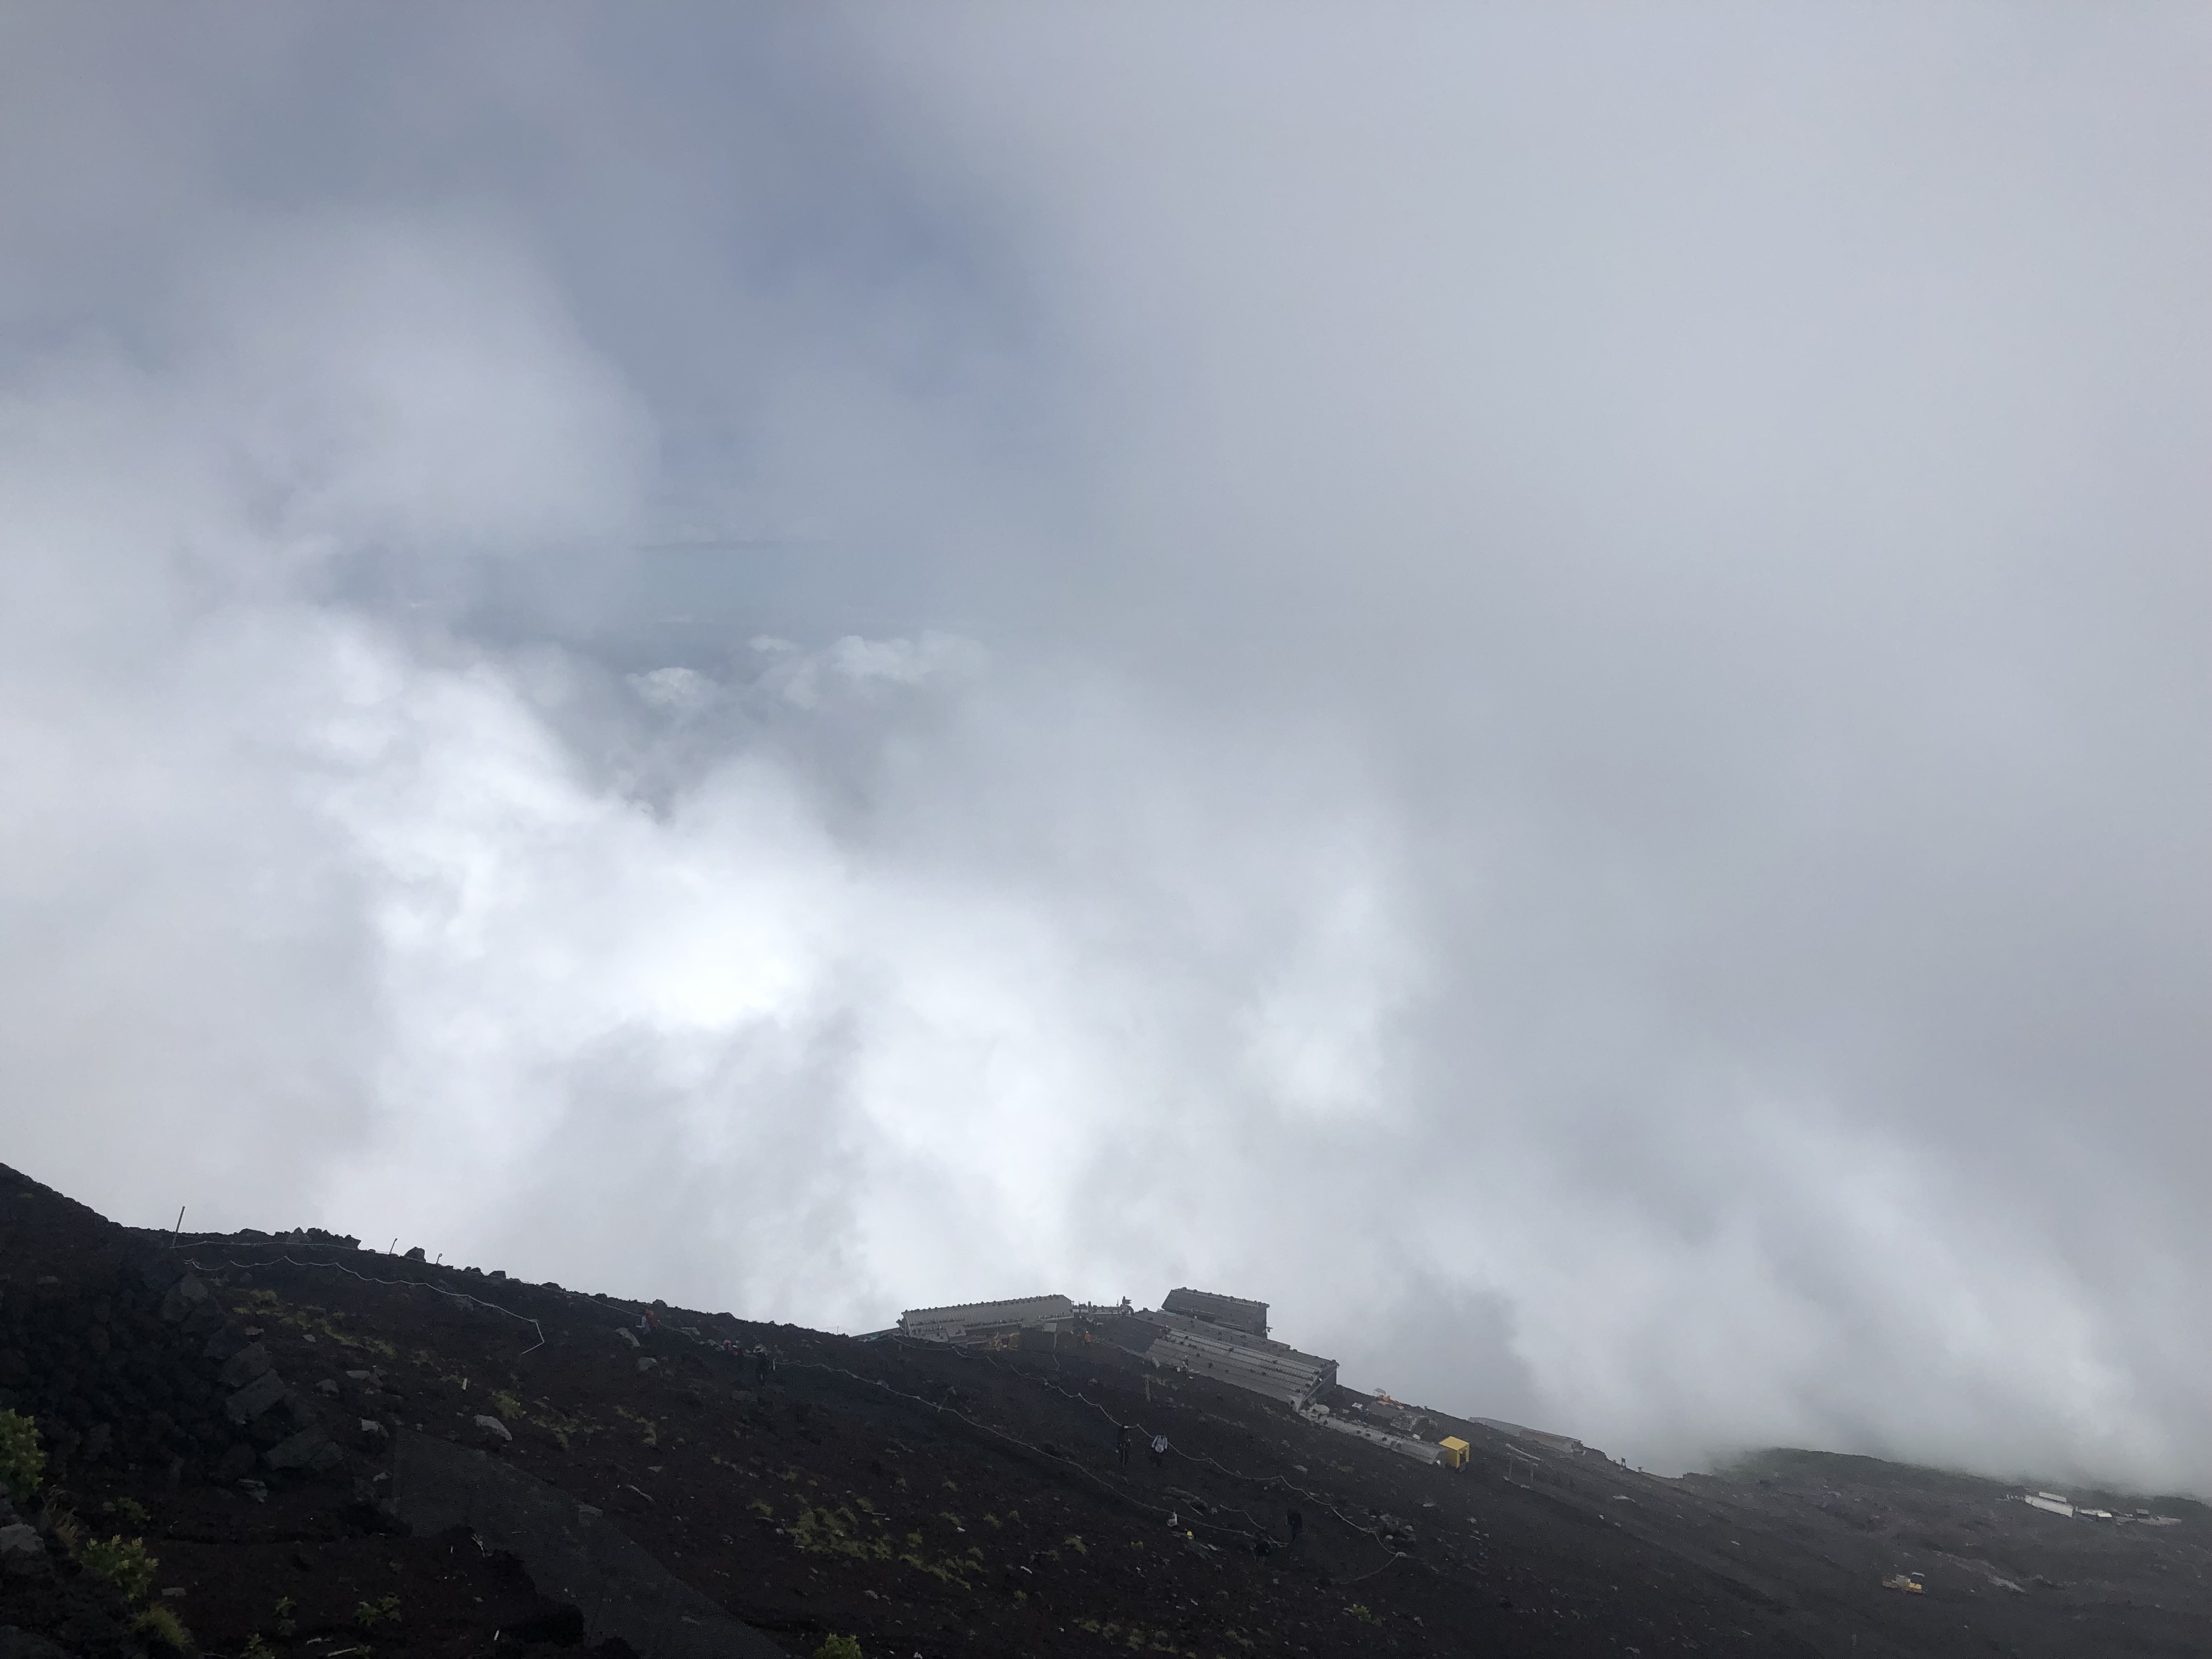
x=247, y=1408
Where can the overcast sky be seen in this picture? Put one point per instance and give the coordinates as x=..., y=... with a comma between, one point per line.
x=1536, y=681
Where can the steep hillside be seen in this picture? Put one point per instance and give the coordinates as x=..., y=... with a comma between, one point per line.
x=334, y=1452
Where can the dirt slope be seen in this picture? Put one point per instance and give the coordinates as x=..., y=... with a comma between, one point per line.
x=699, y=1484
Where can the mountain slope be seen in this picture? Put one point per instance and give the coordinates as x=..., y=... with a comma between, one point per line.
x=444, y=1461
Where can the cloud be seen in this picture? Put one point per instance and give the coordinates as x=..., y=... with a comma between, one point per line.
x=1529, y=684
x=412, y=384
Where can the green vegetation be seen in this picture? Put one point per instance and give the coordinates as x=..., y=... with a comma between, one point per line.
x=563, y=1427
x=131, y=1511
x=123, y=1563
x=838, y=1647
x=22, y=1460
x=385, y=1610
x=835, y=1532
x=257, y=1648
x=1137, y=1639
x=160, y=1625
x=59, y=1519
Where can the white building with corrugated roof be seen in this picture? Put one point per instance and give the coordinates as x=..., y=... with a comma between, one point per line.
x=1234, y=1312
x=1269, y=1369
x=978, y=1321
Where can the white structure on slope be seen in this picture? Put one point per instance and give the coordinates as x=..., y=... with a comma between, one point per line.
x=1419, y=1450
x=1269, y=1369
x=978, y=1321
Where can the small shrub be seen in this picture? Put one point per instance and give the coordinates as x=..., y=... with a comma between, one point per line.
x=158, y=1623
x=257, y=1648
x=59, y=1519
x=385, y=1610
x=1358, y=1611
x=285, y=1623
x=124, y=1563
x=22, y=1461
x=838, y=1647
x=131, y=1511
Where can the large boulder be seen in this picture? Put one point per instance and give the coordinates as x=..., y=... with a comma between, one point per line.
x=255, y=1398
x=22, y=1549
x=242, y=1367
x=184, y=1297
x=310, y=1448
x=163, y=1271
x=25, y=1644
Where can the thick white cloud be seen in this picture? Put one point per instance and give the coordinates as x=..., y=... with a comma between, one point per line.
x=1532, y=684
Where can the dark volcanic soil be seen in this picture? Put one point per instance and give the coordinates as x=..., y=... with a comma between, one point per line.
x=924, y=1500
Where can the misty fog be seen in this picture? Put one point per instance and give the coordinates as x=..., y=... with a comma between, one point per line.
x=1537, y=682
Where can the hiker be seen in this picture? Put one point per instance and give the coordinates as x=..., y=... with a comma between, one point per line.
x=1297, y=1525
x=1121, y=1445
x=1159, y=1448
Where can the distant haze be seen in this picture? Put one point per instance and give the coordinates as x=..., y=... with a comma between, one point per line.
x=1536, y=681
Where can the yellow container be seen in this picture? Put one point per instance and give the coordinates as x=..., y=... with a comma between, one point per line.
x=1455, y=1450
